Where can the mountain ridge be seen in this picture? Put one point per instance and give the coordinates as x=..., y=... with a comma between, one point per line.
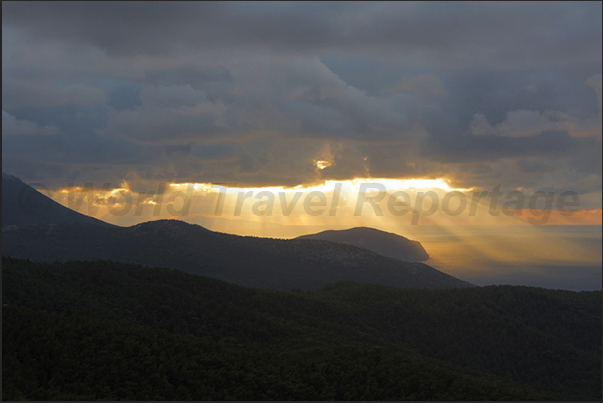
x=249, y=261
x=53, y=232
x=381, y=242
x=24, y=205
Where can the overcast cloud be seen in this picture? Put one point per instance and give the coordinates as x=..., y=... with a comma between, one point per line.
x=255, y=93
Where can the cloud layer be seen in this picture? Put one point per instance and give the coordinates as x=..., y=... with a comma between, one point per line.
x=256, y=93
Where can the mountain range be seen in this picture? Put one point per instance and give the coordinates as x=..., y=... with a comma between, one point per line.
x=307, y=264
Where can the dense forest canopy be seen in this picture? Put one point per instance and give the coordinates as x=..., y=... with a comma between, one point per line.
x=104, y=330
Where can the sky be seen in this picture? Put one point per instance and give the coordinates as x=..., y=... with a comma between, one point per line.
x=288, y=95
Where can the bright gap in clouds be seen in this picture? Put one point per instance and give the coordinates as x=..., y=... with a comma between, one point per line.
x=389, y=184
x=370, y=202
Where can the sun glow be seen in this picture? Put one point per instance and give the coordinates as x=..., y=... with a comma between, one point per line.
x=321, y=164
x=411, y=184
x=282, y=211
x=390, y=185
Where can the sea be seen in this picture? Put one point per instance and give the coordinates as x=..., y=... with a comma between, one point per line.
x=558, y=257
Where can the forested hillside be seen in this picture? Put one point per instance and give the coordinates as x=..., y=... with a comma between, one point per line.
x=103, y=330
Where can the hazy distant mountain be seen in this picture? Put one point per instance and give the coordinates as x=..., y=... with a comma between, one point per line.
x=35, y=227
x=24, y=205
x=250, y=261
x=381, y=242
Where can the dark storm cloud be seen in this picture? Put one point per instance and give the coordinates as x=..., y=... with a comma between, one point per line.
x=125, y=97
x=489, y=148
x=214, y=151
x=257, y=93
x=195, y=77
x=555, y=31
x=72, y=120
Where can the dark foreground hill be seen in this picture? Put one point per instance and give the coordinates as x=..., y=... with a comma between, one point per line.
x=108, y=331
x=249, y=261
x=24, y=205
x=381, y=242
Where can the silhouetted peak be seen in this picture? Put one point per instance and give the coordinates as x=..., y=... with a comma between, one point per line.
x=381, y=242
x=166, y=226
x=9, y=177
x=22, y=204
